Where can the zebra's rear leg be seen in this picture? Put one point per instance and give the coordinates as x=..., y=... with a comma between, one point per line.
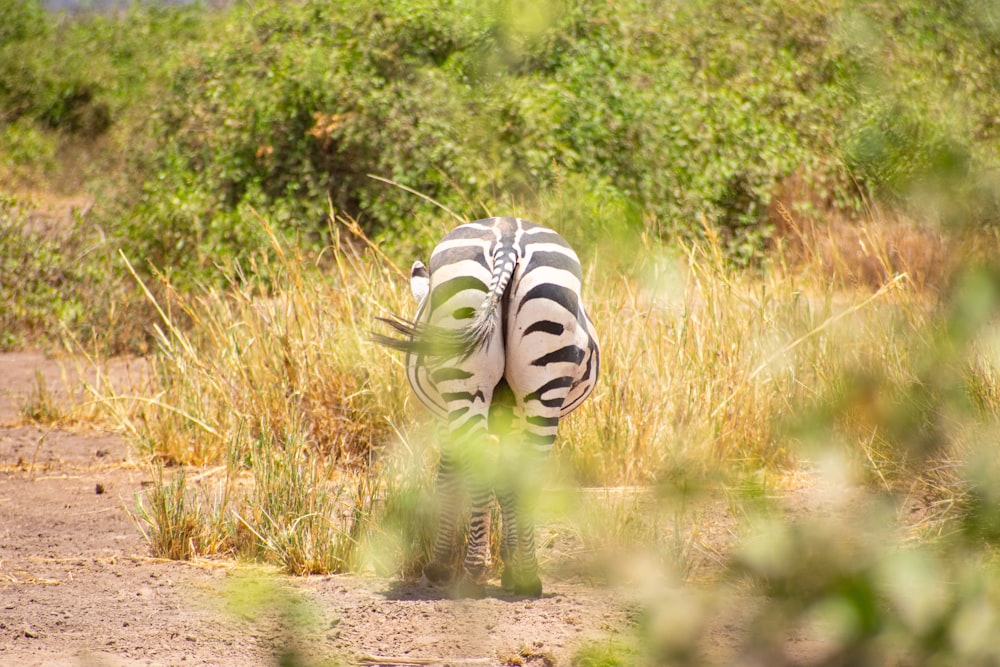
x=480, y=470
x=520, y=480
x=466, y=474
x=450, y=491
x=517, y=548
x=517, y=493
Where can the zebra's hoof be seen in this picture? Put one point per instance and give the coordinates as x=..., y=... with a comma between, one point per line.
x=530, y=586
x=507, y=580
x=438, y=573
x=524, y=585
x=478, y=574
x=470, y=588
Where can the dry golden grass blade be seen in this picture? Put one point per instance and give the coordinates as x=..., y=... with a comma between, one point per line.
x=431, y=200
x=376, y=660
x=824, y=325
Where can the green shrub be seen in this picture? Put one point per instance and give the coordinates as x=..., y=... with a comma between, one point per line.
x=37, y=294
x=670, y=119
x=20, y=20
x=57, y=277
x=689, y=113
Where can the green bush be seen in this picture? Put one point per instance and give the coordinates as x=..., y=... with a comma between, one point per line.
x=664, y=118
x=59, y=276
x=37, y=294
x=690, y=113
x=80, y=73
x=20, y=20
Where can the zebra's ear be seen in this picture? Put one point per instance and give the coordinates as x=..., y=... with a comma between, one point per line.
x=420, y=281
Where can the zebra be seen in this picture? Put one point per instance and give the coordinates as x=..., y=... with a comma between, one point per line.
x=500, y=350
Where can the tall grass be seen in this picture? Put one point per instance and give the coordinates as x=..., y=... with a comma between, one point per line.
x=277, y=432
x=709, y=374
x=272, y=385
x=285, y=354
x=704, y=366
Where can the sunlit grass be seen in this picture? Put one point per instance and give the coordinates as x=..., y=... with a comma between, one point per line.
x=709, y=373
x=743, y=421
x=273, y=384
x=704, y=366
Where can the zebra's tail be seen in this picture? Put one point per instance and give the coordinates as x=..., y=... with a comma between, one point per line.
x=488, y=314
x=437, y=341
x=405, y=327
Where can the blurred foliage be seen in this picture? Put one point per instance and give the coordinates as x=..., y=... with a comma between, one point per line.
x=869, y=599
x=297, y=628
x=888, y=554
x=51, y=276
x=28, y=285
x=80, y=74
x=75, y=90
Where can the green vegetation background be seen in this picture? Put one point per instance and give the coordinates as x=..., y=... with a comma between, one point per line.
x=661, y=117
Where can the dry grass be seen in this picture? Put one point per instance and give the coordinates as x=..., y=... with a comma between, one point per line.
x=703, y=363
x=71, y=393
x=279, y=357
x=709, y=373
x=274, y=381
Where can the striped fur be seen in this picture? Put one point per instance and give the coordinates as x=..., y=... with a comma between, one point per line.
x=500, y=350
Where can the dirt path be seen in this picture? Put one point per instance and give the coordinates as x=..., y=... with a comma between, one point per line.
x=77, y=585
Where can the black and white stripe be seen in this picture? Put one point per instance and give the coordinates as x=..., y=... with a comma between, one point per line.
x=500, y=349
